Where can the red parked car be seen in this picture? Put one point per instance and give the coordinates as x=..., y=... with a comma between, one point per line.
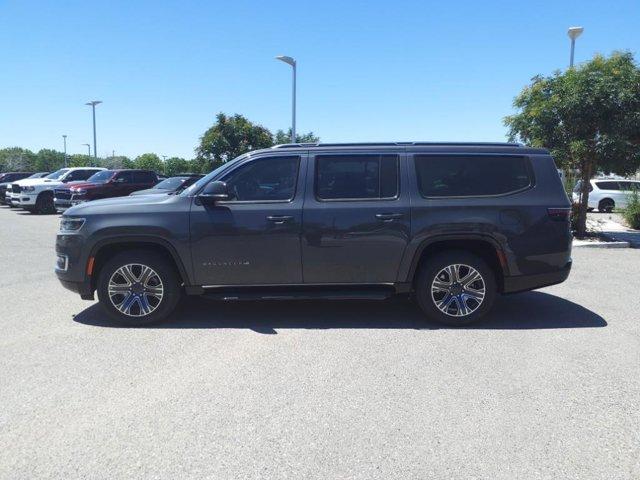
x=104, y=184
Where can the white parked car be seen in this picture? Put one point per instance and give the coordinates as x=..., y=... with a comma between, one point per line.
x=607, y=194
x=36, y=195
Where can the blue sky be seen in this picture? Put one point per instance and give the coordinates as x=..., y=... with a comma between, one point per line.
x=367, y=70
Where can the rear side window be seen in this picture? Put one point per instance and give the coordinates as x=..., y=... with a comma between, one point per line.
x=124, y=177
x=469, y=176
x=340, y=177
x=143, y=177
x=608, y=185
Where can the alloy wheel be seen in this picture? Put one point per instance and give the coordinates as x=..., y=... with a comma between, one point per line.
x=135, y=290
x=458, y=290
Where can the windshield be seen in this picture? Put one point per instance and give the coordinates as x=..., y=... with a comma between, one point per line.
x=57, y=174
x=172, y=183
x=208, y=177
x=36, y=175
x=100, y=177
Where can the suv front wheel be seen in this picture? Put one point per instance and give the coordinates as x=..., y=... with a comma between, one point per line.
x=138, y=288
x=455, y=288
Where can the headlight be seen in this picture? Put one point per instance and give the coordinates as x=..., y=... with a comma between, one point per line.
x=71, y=224
x=28, y=189
x=80, y=191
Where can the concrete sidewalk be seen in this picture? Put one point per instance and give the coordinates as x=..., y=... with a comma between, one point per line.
x=610, y=227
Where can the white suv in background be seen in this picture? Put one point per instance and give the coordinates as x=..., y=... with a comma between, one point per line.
x=36, y=195
x=607, y=194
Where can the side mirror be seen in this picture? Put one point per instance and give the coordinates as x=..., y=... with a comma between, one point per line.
x=215, y=191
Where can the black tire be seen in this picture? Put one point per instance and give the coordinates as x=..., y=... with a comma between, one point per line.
x=44, y=203
x=172, y=291
x=433, y=267
x=607, y=205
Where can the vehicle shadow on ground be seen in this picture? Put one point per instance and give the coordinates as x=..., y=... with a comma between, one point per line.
x=531, y=310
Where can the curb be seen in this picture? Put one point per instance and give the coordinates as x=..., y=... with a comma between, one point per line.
x=585, y=244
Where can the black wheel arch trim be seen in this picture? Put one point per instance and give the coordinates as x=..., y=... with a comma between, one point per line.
x=184, y=274
x=415, y=261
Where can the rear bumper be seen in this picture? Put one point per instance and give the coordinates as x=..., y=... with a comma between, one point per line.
x=522, y=283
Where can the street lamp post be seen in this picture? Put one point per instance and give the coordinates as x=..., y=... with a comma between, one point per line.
x=574, y=32
x=93, y=104
x=64, y=138
x=88, y=148
x=292, y=62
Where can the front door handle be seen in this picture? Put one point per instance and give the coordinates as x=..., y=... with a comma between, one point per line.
x=279, y=219
x=388, y=217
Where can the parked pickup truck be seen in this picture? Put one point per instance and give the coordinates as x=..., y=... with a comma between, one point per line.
x=105, y=184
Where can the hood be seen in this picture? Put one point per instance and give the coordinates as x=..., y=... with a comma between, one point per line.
x=84, y=184
x=68, y=185
x=27, y=182
x=129, y=204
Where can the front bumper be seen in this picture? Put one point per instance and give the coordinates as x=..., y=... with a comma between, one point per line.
x=71, y=264
x=522, y=283
x=24, y=199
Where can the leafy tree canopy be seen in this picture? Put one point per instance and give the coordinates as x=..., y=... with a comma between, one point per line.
x=285, y=137
x=229, y=137
x=149, y=161
x=588, y=116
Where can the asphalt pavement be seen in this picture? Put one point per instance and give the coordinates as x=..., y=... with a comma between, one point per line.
x=547, y=387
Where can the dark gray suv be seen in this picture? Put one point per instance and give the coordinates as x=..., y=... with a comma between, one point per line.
x=451, y=224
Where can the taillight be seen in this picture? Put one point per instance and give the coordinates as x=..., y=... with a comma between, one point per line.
x=559, y=214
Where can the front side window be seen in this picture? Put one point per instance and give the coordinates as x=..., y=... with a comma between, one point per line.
x=264, y=179
x=470, y=176
x=346, y=177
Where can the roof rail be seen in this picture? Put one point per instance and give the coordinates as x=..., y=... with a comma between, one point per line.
x=391, y=144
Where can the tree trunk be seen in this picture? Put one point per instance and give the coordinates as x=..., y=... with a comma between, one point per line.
x=581, y=224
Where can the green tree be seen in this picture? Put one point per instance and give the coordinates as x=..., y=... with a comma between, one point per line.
x=229, y=137
x=49, y=160
x=116, y=162
x=175, y=165
x=80, y=160
x=17, y=159
x=149, y=161
x=588, y=116
x=285, y=137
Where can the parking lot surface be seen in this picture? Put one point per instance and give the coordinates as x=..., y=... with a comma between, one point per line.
x=547, y=387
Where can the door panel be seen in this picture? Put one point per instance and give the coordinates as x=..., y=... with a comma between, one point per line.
x=251, y=242
x=354, y=240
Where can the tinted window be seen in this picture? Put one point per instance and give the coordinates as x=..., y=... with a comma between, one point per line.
x=144, y=177
x=124, y=177
x=458, y=176
x=272, y=178
x=79, y=175
x=101, y=176
x=629, y=186
x=356, y=176
x=608, y=185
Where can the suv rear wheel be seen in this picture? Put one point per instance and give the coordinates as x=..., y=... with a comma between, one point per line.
x=456, y=288
x=607, y=205
x=138, y=288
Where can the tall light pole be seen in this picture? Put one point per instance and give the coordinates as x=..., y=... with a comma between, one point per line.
x=93, y=104
x=64, y=138
x=574, y=32
x=292, y=62
x=88, y=148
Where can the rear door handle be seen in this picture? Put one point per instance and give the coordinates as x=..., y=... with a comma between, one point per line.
x=388, y=217
x=279, y=219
